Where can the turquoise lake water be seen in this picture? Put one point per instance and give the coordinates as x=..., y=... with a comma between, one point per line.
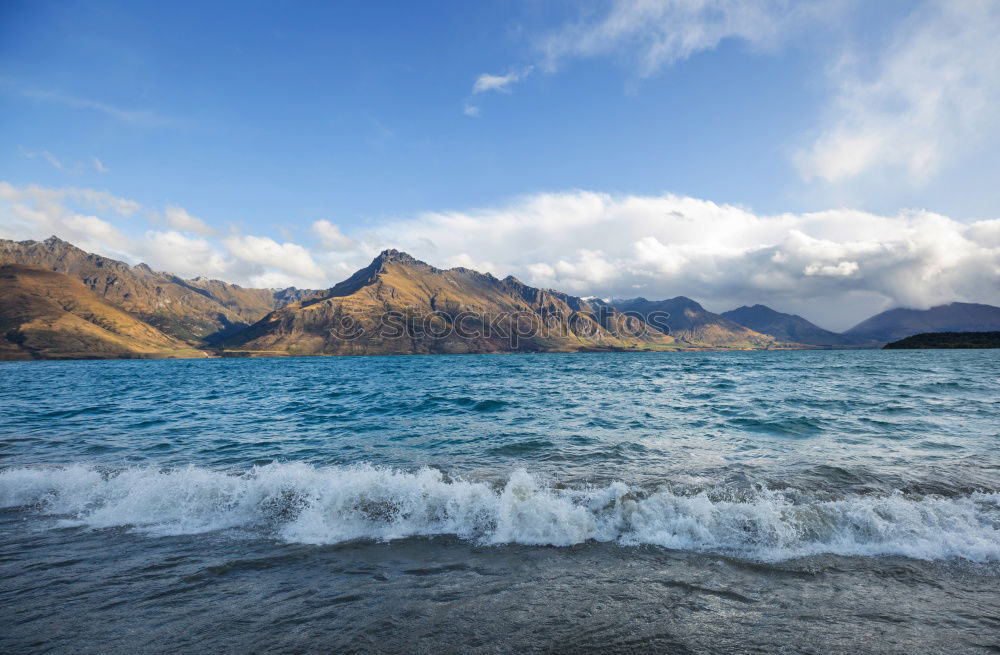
x=620, y=502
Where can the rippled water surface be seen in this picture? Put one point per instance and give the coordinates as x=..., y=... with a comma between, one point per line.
x=673, y=502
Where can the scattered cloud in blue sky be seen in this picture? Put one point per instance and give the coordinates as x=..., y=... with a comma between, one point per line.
x=487, y=82
x=652, y=35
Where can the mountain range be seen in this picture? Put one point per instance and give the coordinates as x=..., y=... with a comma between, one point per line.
x=790, y=327
x=58, y=301
x=400, y=305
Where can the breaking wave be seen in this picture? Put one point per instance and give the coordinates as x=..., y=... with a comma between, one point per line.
x=304, y=504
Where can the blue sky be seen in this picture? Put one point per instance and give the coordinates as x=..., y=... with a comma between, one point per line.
x=261, y=119
x=266, y=112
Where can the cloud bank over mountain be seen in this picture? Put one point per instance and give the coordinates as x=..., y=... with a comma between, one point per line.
x=835, y=266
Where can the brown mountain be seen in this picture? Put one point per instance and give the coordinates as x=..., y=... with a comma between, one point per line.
x=400, y=305
x=395, y=305
x=48, y=315
x=693, y=325
x=192, y=310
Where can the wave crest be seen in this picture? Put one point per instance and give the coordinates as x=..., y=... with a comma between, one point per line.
x=305, y=504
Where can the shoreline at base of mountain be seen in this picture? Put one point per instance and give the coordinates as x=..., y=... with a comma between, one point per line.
x=946, y=341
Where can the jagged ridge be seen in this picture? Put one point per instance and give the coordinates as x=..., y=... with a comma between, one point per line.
x=412, y=293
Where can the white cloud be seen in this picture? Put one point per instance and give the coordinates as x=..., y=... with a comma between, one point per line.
x=32, y=212
x=470, y=110
x=288, y=257
x=95, y=229
x=658, y=33
x=59, y=200
x=104, y=200
x=182, y=255
x=179, y=218
x=840, y=269
x=331, y=238
x=929, y=97
x=487, y=82
x=99, y=165
x=273, y=280
x=100, y=222
x=837, y=267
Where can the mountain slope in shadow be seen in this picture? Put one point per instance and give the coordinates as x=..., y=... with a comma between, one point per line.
x=48, y=315
x=789, y=327
x=897, y=324
x=691, y=323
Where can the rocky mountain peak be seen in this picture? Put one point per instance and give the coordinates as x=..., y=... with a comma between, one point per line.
x=398, y=257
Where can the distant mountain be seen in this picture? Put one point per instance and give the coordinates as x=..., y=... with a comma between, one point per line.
x=946, y=340
x=398, y=304
x=190, y=310
x=48, y=315
x=283, y=297
x=787, y=327
x=692, y=324
x=899, y=323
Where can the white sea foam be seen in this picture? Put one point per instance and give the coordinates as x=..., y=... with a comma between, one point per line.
x=304, y=504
